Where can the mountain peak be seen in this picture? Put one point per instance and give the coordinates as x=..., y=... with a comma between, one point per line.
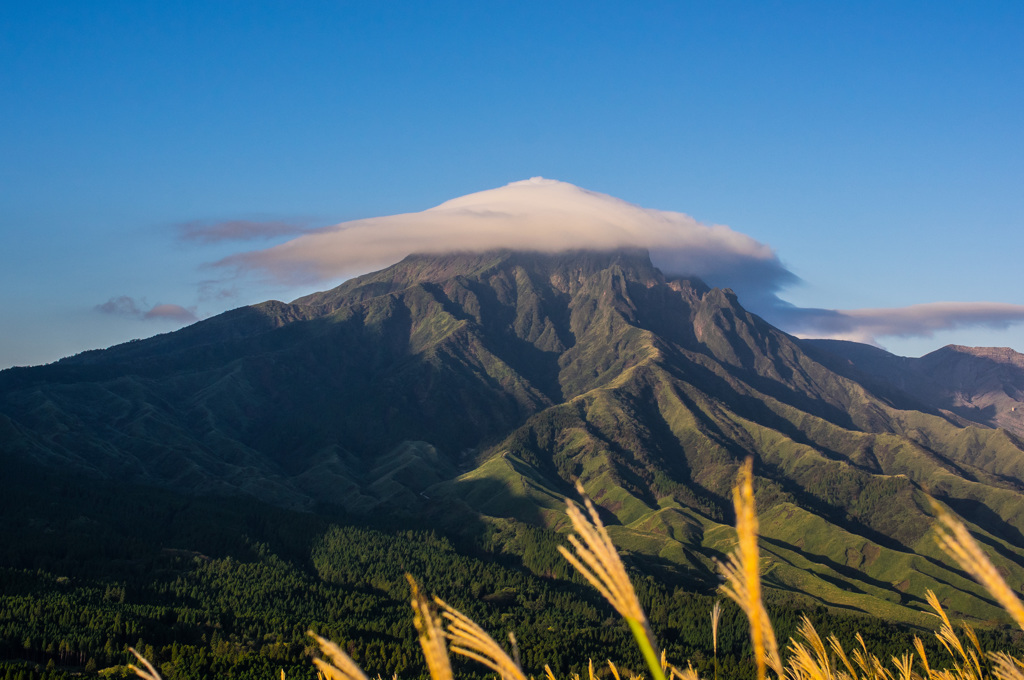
x=559, y=269
x=1003, y=355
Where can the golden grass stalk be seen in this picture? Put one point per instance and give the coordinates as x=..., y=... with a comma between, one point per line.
x=688, y=674
x=598, y=561
x=809, y=661
x=716, y=616
x=954, y=538
x=919, y=648
x=341, y=666
x=471, y=641
x=742, y=577
x=1006, y=667
x=431, y=634
x=967, y=659
x=147, y=673
x=840, y=653
x=905, y=667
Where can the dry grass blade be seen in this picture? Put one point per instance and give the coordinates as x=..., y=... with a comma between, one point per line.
x=840, y=654
x=471, y=641
x=615, y=671
x=598, y=561
x=812, y=660
x=716, y=615
x=919, y=648
x=802, y=665
x=688, y=674
x=1005, y=667
x=946, y=634
x=905, y=666
x=742, y=578
x=548, y=673
x=431, y=634
x=341, y=666
x=603, y=567
x=954, y=538
x=149, y=673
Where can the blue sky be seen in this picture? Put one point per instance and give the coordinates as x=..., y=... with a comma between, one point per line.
x=877, y=148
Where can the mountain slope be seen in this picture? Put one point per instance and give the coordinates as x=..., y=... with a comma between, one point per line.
x=481, y=385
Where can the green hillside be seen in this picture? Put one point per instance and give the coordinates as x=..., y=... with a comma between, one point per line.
x=470, y=391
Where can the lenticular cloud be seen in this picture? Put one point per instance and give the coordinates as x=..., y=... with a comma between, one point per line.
x=550, y=216
x=535, y=214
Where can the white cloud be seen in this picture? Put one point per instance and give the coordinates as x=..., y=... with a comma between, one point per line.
x=536, y=214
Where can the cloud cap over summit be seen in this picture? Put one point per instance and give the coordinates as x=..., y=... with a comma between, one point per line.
x=535, y=214
x=551, y=216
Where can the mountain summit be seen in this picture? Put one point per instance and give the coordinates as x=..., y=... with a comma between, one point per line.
x=481, y=385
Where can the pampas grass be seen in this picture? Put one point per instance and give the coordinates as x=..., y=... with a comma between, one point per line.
x=807, y=658
x=339, y=665
x=146, y=673
x=431, y=634
x=953, y=537
x=471, y=641
x=742, y=575
x=598, y=561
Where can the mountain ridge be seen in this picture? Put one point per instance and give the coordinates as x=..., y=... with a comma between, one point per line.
x=481, y=385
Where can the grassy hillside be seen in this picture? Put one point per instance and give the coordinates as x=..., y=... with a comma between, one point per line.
x=470, y=391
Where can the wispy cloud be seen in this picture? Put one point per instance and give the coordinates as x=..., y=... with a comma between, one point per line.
x=130, y=307
x=121, y=306
x=868, y=325
x=237, y=230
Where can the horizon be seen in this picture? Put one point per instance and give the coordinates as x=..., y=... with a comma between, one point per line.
x=874, y=151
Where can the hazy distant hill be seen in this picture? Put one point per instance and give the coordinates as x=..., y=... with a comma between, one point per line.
x=480, y=385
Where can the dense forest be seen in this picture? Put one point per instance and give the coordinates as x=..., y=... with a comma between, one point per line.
x=229, y=587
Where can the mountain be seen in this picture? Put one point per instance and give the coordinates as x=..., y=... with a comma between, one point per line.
x=468, y=391
x=983, y=385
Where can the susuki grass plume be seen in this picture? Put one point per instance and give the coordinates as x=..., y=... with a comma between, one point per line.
x=431, y=634
x=598, y=561
x=341, y=665
x=716, y=616
x=966, y=658
x=1006, y=667
x=147, y=673
x=742, y=577
x=471, y=641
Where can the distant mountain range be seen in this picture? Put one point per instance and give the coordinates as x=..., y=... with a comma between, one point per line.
x=479, y=386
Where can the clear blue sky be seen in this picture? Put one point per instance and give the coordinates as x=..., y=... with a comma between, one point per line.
x=877, y=147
